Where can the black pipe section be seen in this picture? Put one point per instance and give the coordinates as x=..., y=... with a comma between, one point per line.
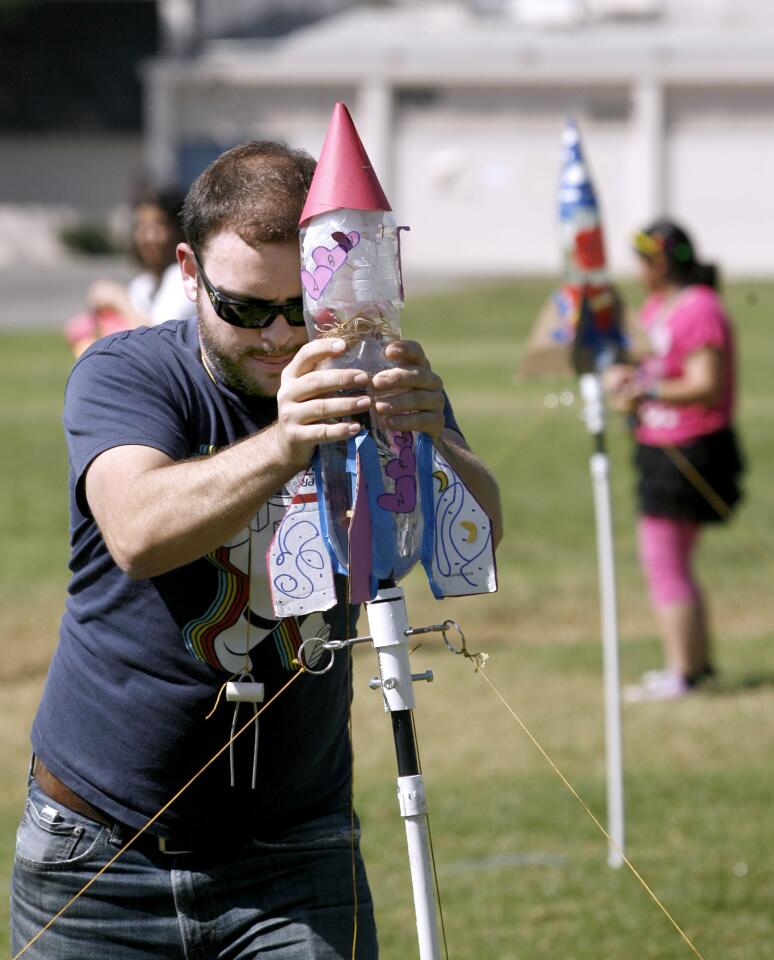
x=405, y=743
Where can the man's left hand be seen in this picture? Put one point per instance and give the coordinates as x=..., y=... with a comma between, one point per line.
x=409, y=396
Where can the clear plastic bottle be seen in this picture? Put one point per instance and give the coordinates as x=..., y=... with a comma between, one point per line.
x=353, y=291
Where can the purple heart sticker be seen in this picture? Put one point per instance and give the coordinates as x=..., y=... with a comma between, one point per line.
x=393, y=469
x=403, y=500
x=346, y=240
x=315, y=283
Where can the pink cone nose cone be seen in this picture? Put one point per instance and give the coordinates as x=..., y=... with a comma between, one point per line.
x=344, y=176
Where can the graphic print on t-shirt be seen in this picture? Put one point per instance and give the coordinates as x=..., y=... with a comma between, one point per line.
x=236, y=607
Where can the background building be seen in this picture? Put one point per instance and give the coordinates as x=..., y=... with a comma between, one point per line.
x=461, y=105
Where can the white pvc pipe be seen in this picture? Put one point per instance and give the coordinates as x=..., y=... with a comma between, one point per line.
x=607, y=593
x=411, y=796
x=388, y=623
x=591, y=390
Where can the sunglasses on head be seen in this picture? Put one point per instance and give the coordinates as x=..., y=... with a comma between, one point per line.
x=248, y=311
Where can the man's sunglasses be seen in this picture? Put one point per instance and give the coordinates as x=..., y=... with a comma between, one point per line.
x=249, y=312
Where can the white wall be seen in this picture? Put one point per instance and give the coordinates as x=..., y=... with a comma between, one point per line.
x=477, y=178
x=721, y=168
x=226, y=115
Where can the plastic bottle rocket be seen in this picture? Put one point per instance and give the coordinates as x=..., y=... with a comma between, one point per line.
x=372, y=506
x=352, y=289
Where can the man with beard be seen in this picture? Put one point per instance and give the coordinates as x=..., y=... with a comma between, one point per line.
x=182, y=440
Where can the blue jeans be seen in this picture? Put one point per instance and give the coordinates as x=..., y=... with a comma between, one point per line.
x=291, y=899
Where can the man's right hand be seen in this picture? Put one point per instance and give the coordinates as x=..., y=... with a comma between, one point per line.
x=308, y=407
x=156, y=514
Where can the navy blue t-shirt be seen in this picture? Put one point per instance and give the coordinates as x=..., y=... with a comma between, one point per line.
x=139, y=663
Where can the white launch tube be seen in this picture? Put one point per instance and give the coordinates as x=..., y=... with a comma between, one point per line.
x=388, y=624
x=413, y=808
x=591, y=390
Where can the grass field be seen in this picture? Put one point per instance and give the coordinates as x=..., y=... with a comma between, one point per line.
x=522, y=869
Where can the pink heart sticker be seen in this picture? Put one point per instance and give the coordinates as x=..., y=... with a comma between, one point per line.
x=332, y=259
x=315, y=283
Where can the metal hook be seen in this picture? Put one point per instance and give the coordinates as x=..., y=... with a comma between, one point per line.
x=319, y=644
x=443, y=629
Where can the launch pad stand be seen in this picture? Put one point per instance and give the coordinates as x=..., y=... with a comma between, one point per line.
x=594, y=416
x=390, y=634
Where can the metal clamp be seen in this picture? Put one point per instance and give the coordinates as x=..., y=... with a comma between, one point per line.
x=391, y=682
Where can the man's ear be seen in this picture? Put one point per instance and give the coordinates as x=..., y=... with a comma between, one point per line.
x=188, y=271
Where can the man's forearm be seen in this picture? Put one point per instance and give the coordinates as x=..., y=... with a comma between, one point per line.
x=476, y=476
x=170, y=514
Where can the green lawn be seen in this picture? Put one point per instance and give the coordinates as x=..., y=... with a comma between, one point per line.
x=522, y=869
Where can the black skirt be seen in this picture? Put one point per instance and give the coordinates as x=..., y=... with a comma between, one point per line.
x=704, y=489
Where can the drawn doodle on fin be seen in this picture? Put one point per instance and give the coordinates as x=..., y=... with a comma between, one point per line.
x=294, y=546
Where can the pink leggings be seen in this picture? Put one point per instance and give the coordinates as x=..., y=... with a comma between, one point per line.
x=666, y=551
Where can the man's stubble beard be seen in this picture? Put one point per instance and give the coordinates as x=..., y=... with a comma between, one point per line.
x=228, y=368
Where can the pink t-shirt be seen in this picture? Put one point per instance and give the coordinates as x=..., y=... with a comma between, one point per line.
x=696, y=318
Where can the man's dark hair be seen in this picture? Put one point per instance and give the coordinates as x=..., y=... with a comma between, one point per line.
x=256, y=189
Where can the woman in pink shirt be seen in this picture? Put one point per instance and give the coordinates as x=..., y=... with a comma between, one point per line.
x=687, y=457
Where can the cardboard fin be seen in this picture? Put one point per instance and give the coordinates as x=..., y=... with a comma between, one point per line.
x=298, y=560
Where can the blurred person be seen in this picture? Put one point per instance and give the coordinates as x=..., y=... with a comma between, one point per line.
x=687, y=455
x=156, y=294
x=182, y=438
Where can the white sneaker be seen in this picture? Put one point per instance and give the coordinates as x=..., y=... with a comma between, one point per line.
x=656, y=685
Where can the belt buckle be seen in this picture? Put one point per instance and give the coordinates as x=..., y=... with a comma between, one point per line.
x=164, y=848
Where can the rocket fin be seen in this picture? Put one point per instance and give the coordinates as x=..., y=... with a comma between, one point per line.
x=457, y=549
x=362, y=584
x=298, y=560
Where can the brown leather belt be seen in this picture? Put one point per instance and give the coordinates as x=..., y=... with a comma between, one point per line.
x=60, y=793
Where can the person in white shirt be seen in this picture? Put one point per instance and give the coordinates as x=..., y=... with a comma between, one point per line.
x=156, y=294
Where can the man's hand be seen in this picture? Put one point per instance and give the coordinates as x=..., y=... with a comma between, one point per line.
x=308, y=408
x=409, y=396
